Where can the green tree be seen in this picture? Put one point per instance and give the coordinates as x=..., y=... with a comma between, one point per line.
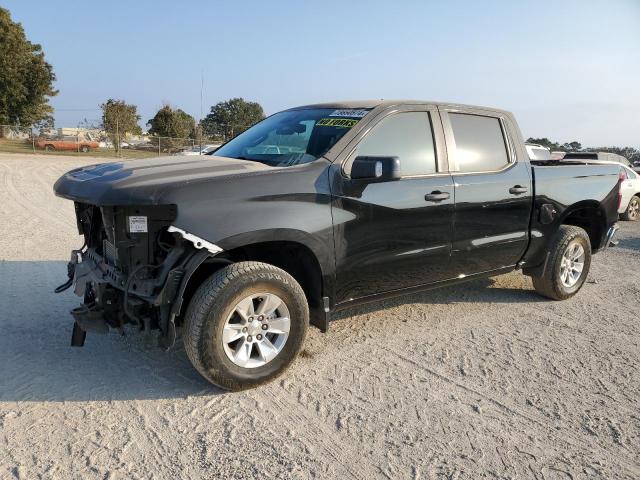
x=232, y=117
x=119, y=120
x=46, y=123
x=572, y=146
x=168, y=122
x=26, y=79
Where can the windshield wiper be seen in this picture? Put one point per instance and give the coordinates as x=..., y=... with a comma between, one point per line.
x=239, y=158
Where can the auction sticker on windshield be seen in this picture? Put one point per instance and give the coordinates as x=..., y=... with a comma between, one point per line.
x=337, y=122
x=353, y=113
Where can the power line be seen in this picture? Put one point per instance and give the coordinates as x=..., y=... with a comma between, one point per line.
x=76, y=109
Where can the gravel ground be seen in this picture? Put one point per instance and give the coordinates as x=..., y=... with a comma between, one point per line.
x=481, y=380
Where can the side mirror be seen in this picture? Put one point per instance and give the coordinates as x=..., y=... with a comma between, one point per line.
x=375, y=169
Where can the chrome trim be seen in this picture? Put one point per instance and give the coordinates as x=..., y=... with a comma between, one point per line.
x=609, y=239
x=197, y=242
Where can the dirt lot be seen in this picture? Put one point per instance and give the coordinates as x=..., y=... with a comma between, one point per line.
x=482, y=380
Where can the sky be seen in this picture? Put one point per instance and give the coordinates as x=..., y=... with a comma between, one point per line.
x=569, y=70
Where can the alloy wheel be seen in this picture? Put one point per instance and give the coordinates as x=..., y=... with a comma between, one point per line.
x=634, y=209
x=256, y=330
x=572, y=264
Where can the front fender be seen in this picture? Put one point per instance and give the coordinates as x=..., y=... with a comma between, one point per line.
x=314, y=242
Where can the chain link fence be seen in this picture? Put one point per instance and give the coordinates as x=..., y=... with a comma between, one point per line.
x=96, y=143
x=16, y=139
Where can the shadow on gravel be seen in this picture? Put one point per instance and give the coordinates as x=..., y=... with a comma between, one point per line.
x=38, y=364
x=630, y=243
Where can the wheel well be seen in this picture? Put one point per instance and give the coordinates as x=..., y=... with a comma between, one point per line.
x=591, y=219
x=294, y=258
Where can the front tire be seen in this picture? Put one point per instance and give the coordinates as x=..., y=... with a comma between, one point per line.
x=568, y=264
x=632, y=213
x=84, y=148
x=245, y=325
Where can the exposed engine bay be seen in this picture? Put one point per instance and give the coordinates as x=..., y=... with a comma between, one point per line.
x=132, y=269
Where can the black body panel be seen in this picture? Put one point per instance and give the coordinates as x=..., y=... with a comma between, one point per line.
x=563, y=189
x=491, y=224
x=388, y=237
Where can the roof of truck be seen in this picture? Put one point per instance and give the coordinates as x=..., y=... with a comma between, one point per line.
x=388, y=103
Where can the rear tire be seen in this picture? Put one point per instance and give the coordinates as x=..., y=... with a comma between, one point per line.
x=84, y=148
x=49, y=148
x=229, y=312
x=570, y=251
x=632, y=213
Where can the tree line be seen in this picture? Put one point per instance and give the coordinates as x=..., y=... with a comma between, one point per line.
x=224, y=121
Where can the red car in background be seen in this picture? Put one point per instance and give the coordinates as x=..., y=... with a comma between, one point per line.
x=66, y=143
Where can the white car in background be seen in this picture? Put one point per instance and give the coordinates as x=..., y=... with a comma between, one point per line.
x=197, y=150
x=630, y=192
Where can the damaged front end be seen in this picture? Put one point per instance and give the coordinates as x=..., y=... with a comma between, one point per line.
x=132, y=269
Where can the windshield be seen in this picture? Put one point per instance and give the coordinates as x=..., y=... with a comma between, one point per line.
x=293, y=137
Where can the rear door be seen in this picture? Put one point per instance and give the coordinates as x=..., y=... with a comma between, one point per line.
x=493, y=197
x=396, y=234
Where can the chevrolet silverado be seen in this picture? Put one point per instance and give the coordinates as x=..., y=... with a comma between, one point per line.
x=318, y=208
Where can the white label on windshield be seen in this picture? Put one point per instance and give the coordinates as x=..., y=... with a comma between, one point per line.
x=349, y=113
x=138, y=224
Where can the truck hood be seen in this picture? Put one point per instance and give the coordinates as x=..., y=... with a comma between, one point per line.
x=142, y=182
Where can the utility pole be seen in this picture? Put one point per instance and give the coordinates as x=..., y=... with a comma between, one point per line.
x=117, y=145
x=201, y=94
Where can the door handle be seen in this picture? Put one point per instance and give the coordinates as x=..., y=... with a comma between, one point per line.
x=436, y=196
x=518, y=190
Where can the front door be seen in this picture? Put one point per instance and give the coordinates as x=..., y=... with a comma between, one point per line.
x=397, y=234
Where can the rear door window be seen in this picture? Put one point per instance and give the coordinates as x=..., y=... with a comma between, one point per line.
x=479, y=143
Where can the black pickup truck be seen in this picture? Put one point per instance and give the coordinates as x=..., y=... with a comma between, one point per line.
x=318, y=208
